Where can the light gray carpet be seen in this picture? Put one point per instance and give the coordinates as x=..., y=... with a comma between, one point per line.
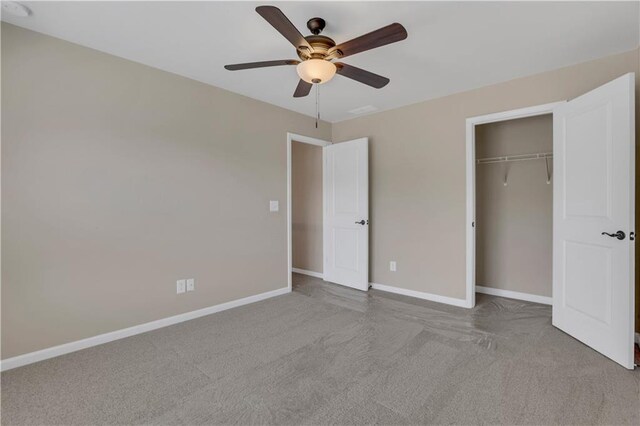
x=330, y=355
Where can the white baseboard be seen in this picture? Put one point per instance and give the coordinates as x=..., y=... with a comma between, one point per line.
x=514, y=295
x=305, y=272
x=29, y=358
x=421, y=295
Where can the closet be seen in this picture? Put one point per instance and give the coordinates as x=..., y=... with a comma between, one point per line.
x=514, y=208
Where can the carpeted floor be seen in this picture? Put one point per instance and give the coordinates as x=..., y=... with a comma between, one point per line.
x=326, y=354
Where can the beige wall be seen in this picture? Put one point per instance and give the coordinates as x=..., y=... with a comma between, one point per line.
x=417, y=170
x=117, y=180
x=306, y=206
x=514, y=223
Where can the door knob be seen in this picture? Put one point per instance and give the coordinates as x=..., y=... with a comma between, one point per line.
x=619, y=235
x=362, y=222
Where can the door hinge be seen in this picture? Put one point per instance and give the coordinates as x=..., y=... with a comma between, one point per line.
x=632, y=236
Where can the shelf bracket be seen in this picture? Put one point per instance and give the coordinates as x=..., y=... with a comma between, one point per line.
x=546, y=162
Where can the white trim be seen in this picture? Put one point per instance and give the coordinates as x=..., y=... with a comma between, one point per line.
x=515, y=295
x=471, y=214
x=421, y=295
x=307, y=139
x=307, y=272
x=515, y=113
x=471, y=123
x=304, y=139
x=41, y=355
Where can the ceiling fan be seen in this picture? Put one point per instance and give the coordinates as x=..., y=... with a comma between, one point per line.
x=316, y=52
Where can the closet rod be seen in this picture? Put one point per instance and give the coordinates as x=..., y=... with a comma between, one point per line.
x=520, y=157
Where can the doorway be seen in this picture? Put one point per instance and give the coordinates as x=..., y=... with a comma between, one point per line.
x=501, y=155
x=514, y=208
x=345, y=212
x=305, y=224
x=306, y=208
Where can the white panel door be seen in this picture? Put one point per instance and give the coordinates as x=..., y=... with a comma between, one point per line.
x=346, y=213
x=594, y=167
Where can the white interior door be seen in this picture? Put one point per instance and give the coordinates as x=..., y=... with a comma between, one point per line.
x=594, y=166
x=346, y=213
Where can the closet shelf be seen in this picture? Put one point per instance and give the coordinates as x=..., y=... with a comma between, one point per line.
x=519, y=157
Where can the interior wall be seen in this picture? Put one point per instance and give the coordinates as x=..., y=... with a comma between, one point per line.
x=118, y=179
x=306, y=206
x=417, y=170
x=514, y=223
x=98, y=151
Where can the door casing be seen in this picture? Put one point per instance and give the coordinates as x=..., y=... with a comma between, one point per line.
x=471, y=123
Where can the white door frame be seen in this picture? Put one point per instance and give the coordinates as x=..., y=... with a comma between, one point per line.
x=470, y=300
x=291, y=137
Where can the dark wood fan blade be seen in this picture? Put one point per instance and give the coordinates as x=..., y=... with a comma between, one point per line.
x=358, y=74
x=381, y=37
x=249, y=65
x=302, y=90
x=280, y=22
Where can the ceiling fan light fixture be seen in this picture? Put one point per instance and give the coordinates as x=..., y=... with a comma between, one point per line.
x=317, y=71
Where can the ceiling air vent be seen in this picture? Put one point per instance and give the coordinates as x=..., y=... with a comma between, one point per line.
x=363, y=109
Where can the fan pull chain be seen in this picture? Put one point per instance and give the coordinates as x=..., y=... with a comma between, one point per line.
x=317, y=104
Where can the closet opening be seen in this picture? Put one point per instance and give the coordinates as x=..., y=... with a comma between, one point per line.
x=514, y=208
x=510, y=205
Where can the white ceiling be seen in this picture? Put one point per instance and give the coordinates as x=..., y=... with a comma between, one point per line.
x=452, y=47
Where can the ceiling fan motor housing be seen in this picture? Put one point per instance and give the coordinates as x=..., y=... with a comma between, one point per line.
x=321, y=45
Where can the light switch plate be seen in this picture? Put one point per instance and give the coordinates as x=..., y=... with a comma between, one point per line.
x=180, y=286
x=191, y=284
x=392, y=266
x=274, y=206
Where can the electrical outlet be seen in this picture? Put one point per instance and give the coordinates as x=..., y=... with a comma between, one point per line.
x=392, y=266
x=191, y=284
x=180, y=286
